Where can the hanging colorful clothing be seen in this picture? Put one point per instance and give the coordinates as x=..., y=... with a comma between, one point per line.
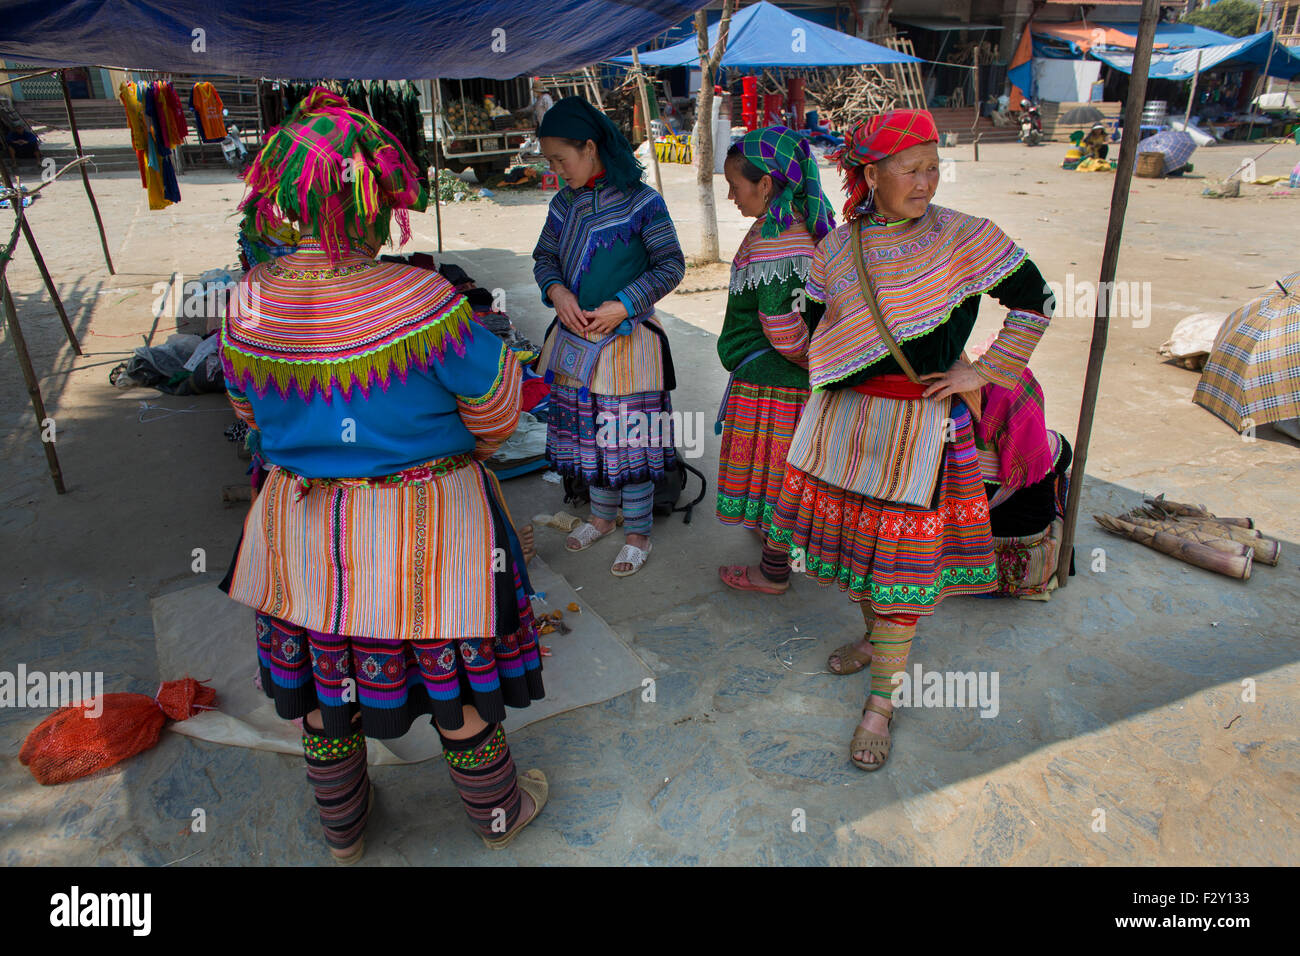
x=372, y=394
x=164, y=123
x=927, y=275
x=604, y=243
x=764, y=344
x=135, y=121
x=209, y=121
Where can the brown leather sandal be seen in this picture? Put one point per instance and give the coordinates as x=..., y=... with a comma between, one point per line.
x=852, y=660
x=849, y=653
x=874, y=744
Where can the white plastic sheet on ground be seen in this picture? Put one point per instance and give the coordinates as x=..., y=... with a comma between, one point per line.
x=203, y=633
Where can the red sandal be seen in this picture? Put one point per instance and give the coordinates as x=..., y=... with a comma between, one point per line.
x=737, y=576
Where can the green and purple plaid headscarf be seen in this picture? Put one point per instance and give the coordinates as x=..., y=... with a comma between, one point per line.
x=784, y=155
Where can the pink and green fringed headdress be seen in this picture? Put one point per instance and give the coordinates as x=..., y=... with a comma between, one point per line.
x=334, y=168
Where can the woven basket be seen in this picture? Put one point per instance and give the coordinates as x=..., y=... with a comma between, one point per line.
x=1151, y=165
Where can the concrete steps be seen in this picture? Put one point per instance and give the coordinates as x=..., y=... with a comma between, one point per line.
x=959, y=121
x=108, y=159
x=90, y=114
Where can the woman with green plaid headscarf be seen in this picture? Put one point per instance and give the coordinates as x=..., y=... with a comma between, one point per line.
x=773, y=178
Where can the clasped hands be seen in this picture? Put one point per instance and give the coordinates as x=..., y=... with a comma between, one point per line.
x=602, y=320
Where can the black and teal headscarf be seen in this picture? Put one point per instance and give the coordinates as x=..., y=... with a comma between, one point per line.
x=575, y=118
x=785, y=156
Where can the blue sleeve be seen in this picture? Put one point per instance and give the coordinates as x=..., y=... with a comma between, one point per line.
x=475, y=373
x=547, y=265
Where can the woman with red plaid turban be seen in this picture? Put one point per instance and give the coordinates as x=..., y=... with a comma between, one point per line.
x=883, y=492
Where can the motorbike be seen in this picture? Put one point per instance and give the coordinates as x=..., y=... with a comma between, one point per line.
x=1031, y=124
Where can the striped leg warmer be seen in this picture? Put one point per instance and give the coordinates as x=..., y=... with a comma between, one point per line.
x=484, y=775
x=604, y=501
x=775, y=563
x=638, y=508
x=891, y=643
x=336, y=769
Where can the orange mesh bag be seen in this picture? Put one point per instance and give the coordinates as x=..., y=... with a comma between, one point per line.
x=69, y=744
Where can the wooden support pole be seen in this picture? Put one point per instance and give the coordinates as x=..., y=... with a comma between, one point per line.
x=33, y=385
x=645, y=111
x=1109, y=261
x=437, y=149
x=85, y=179
x=1261, y=87
x=40, y=262
x=975, y=53
x=594, y=85
x=1191, y=97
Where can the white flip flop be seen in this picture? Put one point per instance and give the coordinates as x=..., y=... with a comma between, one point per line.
x=631, y=554
x=588, y=534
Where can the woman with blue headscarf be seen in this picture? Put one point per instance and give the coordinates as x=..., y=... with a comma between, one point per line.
x=607, y=253
x=773, y=178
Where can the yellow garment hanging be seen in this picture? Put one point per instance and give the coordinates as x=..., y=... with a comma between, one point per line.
x=150, y=175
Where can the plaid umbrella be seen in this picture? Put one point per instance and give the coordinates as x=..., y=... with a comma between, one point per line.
x=1176, y=146
x=1253, y=374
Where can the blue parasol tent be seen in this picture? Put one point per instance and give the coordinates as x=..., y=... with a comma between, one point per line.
x=765, y=36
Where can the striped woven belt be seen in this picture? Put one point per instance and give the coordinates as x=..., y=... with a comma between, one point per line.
x=408, y=476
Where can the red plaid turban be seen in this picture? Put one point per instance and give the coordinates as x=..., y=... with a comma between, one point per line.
x=882, y=135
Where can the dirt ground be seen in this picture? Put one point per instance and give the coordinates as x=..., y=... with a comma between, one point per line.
x=1123, y=694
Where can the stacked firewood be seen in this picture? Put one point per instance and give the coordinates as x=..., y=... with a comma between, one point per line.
x=845, y=97
x=621, y=103
x=1191, y=533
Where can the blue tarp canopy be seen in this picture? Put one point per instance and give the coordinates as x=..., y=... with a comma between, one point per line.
x=393, y=39
x=764, y=35
x=1250, y=51
x=1179, y=36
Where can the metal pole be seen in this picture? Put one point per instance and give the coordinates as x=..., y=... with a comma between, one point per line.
x=1191, y=97
x=645, y=111
x=40, y=262
x=33, y=385
x=437, y=162
x=85, y=179
x=975, y=52
x=1109, y=261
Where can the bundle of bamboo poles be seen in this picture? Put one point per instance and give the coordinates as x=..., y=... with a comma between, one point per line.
x=845, y=97
x=1191, y=533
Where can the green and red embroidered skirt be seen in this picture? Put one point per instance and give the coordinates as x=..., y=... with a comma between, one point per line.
x=760, y=421
x=902, y=559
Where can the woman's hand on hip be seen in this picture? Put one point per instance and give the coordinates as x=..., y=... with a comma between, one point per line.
x=606, y=317
x=567, y=308
x=960, y=377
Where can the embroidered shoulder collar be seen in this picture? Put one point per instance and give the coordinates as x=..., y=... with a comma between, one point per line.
x=759, y=260
x=298, y=327
x=921, y=270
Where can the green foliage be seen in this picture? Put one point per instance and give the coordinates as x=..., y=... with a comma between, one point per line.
x=1233, y=17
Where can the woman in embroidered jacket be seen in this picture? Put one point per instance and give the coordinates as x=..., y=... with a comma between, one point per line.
x=607, y=253
x=764, y=341
x=882, y=494
x=378, y=554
